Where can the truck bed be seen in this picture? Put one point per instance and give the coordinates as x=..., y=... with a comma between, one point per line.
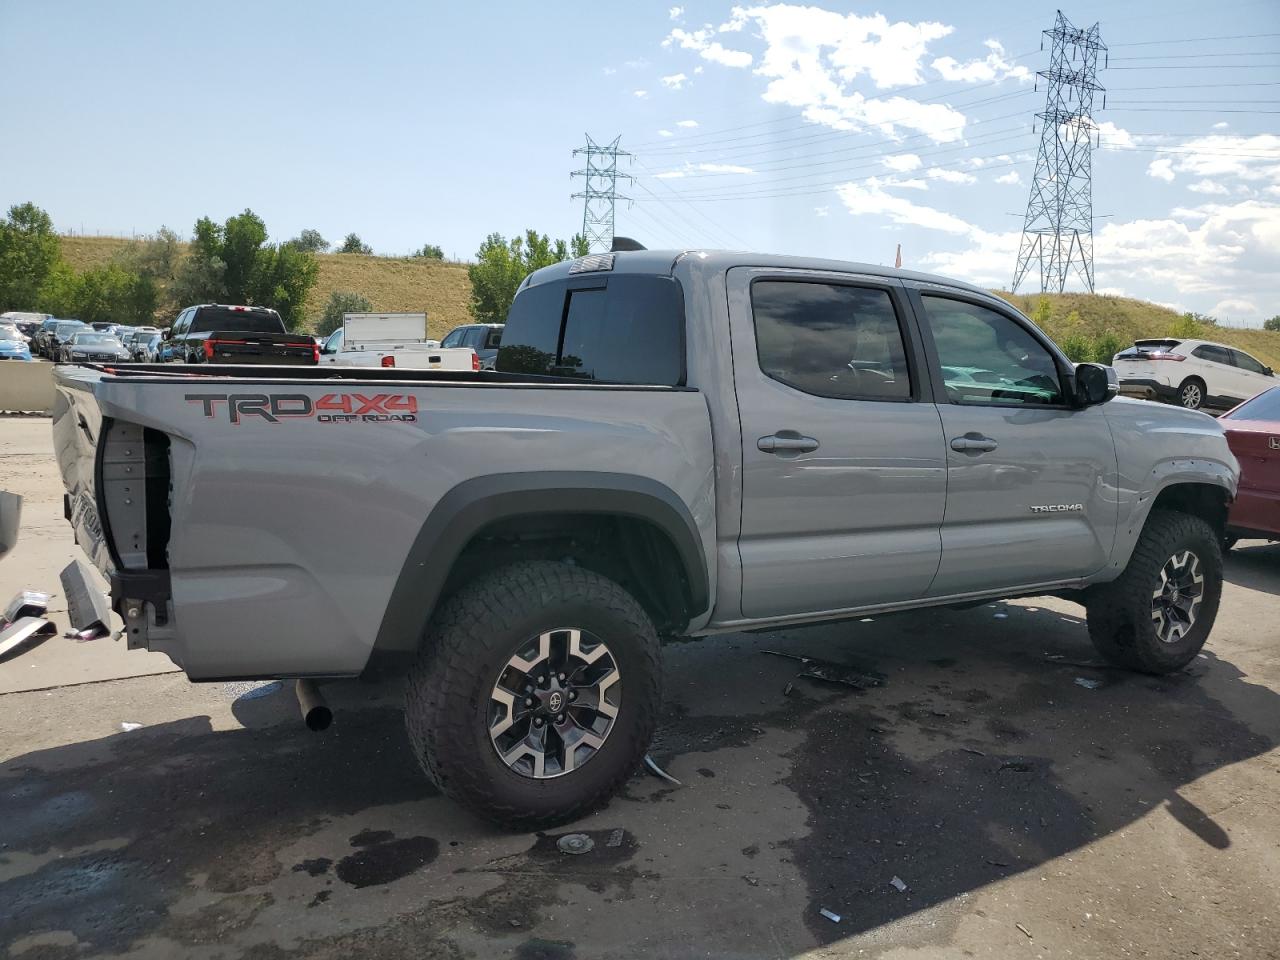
x=264, y=515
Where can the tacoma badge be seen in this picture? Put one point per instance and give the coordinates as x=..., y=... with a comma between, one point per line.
x=1059, y=508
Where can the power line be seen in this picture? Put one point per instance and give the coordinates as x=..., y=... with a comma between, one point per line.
x=1199, y=56
x=1238, y=36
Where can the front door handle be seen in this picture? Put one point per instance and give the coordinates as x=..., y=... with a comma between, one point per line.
x=973, y=443
x=786, y=441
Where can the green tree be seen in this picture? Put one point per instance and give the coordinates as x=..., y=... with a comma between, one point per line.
x=1077, y=347
x=501, y=265
x=29, y=250
x=1272, y=324
x=109, y=294
x=156, y=258
x=353, y=244
x=430, y=251
x=340, y=302
x=1186, y=327
x=1043, y=313
x=282, y=278
x=309, y=241
x=1106, y=347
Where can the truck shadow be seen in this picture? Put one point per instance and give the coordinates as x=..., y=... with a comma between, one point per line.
x=978, y=757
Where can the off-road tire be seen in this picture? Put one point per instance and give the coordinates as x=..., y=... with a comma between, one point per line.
x=1119, y=613
x=1191, y=394
x=472, y=636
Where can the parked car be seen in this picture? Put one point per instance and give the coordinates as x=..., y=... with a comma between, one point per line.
x=134, y=338
x=1253, y=431
x=1193, y=373
x=148, y=351
x=222, y=333
x=107, y=326
x=58, y=334
x=392, y=340
x=88, y=346
x=13, y=346
x=483, y=338
x=674, y=444
x=26, y=321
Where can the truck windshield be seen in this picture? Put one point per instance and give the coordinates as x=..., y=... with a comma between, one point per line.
x=619, y=329
x=249, y=321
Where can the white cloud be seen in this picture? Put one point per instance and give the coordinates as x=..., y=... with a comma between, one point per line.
x=697, y=70
x=675, y=81
x=1221, y=125
x=1251, y=159
x=722, y=168
x=1114, y=136
x=950, y=176
x=1208, y=186
x=1224, y=309
x=823, y=211
x=994, y=66
x=665, y=133
x=1013, y=176
x=676, y=13
x=1161, y=169
x=902, y=162
x=870, y=199
x=640, y=94
x=700, y=41
x=687, y=123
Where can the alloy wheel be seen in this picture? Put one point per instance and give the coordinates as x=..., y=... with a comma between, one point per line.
x=1175, y=602
x=554, y=703
x=1191, y=396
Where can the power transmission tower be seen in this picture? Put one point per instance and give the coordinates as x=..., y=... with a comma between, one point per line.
x=600, y=191
x=1058, y=230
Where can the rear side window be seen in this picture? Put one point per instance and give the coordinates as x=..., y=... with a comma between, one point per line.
x=620, y=329
x=494, y=340
x=1212, y=354
x=830, y=340
x=1246, y=362
x=250, y=321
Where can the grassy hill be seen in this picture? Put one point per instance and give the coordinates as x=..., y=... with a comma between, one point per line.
x=443, y=290
x=393, y=285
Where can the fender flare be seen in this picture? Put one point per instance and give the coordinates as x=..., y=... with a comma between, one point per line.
x=475, y=504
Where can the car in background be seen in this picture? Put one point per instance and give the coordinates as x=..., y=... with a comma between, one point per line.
x=483, y=338
x=89, y=346
x=1192, y=373
x=13, y=346
x=135, y=338
x=1253, y=433
x=226, y=333
x=24, y=320
x=106, y=326
x=10, y=325
x=59, y=334
x=148, y=350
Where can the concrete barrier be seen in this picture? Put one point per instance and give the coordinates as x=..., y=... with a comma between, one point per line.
x=26, y=387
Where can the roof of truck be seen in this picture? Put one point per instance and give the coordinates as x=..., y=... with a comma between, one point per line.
x=664, y=262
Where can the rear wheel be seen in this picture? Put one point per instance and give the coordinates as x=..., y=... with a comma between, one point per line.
x=1157, y=615
x=536, y=693
x=1191, y=393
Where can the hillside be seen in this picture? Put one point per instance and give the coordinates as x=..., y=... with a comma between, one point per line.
x=393, y=285
x=443, y=290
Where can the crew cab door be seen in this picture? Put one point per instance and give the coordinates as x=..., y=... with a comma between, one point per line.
x=1252, y=376
x=1030, y=478
x=843, y=462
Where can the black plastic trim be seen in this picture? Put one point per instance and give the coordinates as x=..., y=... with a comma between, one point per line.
x=475, y=504
x=149, y=585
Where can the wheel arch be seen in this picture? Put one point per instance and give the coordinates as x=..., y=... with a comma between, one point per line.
x=488, y=521
x=1202, y=488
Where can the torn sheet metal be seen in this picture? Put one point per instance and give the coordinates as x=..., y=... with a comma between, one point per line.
x=26, y=603
x=27, y=633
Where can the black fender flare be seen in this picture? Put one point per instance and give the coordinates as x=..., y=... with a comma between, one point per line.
x=475, y=504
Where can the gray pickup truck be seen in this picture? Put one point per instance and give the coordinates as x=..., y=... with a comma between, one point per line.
x=673, y=443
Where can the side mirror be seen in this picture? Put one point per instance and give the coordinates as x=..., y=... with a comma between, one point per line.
x=1095, y=384
x=1268, y=371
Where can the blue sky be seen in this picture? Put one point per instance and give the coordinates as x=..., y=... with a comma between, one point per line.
x=827, y=129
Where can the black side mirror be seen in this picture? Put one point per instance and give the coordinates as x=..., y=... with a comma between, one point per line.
x=1095, y=384
x=1269, y=372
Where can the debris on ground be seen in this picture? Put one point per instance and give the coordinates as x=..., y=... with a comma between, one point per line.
x=657, y=771
x=833, y=917
x=827, y=671
x=1063, y=660
x=26, y=603
x=898, y=884
x=575, y=843
x=974, y=751
x=25, y=634
x=615, y=838
x=128, y=726
x=996, y=863
x=1087, y=683
x=1024, y=930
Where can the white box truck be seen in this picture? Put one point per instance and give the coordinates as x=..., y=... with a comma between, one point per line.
x=392, y=340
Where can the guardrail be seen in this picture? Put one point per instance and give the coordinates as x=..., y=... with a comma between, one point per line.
x=26, y=387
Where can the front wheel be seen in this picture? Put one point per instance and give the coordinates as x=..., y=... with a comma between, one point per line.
x=536, y=693
x=1157, y=615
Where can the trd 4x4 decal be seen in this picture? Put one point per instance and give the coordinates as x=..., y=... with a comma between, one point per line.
x=331, y=408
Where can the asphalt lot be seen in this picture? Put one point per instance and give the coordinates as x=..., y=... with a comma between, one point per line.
x=1026, y=814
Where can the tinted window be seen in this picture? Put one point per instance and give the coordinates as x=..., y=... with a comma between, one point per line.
x=494, y=338
x=1265, y=406
x=474, y=338
x=1246, y=362
x=1212, y=354
x=989, y=358
x=830, y=339
x=454, y=339
x=248, y=321
x=620, y=329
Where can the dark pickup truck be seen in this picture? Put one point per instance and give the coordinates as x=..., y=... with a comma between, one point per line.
x=216, y=333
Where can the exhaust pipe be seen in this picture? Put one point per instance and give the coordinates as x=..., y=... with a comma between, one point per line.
x=315, y=712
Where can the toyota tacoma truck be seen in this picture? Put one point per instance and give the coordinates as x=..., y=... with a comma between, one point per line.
x=672, y=444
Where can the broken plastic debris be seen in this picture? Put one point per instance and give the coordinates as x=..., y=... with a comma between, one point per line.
x=23, y=635
x=1087, y=683
x=26, y=603
x=833, y=917
x=615, y=838
x=575, y=843
x=815, y=669
x=657, y=771
x=128, y=726
x=1024, y=930
x=898, y=885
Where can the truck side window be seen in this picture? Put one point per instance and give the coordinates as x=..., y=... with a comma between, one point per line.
x=831, y=340
x=334, y=343
x=988, y=358
x=454, y=339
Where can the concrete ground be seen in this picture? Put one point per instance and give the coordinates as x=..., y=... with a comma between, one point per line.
x=1023, y=814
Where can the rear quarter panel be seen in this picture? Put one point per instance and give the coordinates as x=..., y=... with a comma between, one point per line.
x=288, y=537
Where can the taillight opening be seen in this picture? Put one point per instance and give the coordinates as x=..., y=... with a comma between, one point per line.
x=1164, y=356
x=389, y=361
x=475, y=361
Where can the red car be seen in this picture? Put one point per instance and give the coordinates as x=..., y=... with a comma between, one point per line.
x=1253, y=433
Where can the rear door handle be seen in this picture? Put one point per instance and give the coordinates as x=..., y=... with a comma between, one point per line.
x=973, y=443
x=786, y=442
